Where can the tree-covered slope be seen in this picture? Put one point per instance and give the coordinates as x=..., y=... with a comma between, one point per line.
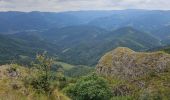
x=15, y=48
x=82, y=45
x=133, y=38
x=86, y=44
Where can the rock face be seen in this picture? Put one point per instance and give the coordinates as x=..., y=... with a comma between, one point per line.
x=125, y=63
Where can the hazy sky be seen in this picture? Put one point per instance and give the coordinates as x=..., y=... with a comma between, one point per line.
x=70, y=5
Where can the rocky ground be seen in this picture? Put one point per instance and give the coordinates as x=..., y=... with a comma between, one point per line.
x=139, y=74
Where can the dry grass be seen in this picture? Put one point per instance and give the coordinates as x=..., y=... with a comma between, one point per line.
x=13, y=88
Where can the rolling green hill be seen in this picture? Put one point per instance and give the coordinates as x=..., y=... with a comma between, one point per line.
x=78, y=37
x=132, y=38
x=85, y=46
x=15, y=49
x=78, y=45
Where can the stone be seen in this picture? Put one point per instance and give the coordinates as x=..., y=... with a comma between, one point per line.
x=125, y=63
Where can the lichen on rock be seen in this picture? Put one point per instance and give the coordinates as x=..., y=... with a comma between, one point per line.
x=125, y=63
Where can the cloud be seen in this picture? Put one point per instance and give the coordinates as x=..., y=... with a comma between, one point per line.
x=71, y=5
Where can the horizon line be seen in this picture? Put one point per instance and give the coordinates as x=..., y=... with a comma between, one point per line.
x=87, y=10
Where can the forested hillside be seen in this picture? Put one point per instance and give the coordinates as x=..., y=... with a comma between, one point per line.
x=81, y=45
x=80, y=37
x=52, y=56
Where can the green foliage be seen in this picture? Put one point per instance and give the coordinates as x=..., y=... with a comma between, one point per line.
x=13, y=68
x=82, y=45
x=91, y=87
x=122, y=98
x=44, y=63
x=167, y=50
x=17, y=49
x=64, y=65
x=79, y=71
x=55, y=67
x=42, y=81
x=150, y=96
x=41, y=84
x=62, y=80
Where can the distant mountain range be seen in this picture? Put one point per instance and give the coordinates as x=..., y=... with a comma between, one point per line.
x=11, y=22
x=145, y=20
x=80, y=37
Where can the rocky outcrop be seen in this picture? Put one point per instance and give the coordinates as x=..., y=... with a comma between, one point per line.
x=125, y=63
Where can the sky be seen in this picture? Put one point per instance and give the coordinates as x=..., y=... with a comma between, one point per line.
x=75, y=5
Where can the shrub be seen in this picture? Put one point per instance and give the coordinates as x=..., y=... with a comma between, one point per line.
x=43, y=78
x=91, y=87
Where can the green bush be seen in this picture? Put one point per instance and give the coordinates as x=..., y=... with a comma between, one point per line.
x=91, y=87
x=42, y=78
x=40, y=84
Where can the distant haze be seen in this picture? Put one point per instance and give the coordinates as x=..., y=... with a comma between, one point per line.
x=74, y=5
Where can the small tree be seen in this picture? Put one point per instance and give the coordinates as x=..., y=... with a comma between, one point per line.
x=44, y=65
x=43, y=77
x=91, y=87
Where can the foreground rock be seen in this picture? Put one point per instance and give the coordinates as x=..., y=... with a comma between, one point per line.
x=125, y=63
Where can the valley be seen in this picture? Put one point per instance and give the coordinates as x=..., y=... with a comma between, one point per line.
x=85, y=55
